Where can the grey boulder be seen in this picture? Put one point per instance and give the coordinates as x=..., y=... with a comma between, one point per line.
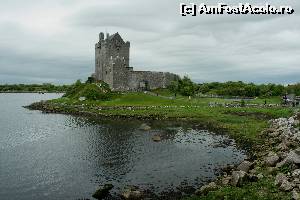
x=245, y=166
x=207, y=188
x=271, y=159
x=238, y=177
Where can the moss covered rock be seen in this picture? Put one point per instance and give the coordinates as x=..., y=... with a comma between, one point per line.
x=103, y=191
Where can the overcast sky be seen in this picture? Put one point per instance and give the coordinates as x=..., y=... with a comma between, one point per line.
x=53, y=41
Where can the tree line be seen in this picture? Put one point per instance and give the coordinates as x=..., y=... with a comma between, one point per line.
x=186, y=87
x=46, y=87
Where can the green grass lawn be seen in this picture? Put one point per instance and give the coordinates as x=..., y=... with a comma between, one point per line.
x=165, y=92
x=144, y=99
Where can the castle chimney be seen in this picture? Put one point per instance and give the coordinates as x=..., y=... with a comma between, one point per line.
x=101, y=36
x=107, y=35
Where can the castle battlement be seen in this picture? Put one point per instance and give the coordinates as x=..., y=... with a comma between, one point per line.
x=112, y=67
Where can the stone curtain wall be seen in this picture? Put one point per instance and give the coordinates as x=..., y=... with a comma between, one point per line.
x=153, y=79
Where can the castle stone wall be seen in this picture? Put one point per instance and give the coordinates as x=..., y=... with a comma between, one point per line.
x=120, y=76
x=112, y=67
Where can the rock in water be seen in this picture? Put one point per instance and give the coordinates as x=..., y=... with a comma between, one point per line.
x=145, y=127
x=156, y=138
x=103, y=191
x=132, y=193
x=245, y=166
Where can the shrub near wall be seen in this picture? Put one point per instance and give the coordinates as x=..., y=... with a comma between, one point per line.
x=90, y=91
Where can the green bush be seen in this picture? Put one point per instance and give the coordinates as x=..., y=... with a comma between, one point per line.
x=184, y=86
x=91, y=91
x=243, y=103
x=73, y=89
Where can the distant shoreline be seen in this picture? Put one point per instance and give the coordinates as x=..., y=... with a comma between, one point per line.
x=33, y=92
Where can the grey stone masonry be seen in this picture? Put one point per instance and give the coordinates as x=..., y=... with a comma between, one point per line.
x=112, y=67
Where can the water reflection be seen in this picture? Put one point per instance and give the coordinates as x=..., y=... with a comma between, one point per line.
x=126, y=155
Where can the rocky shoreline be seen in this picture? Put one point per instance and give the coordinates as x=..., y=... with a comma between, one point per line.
x=47, y=107
x=279, y=161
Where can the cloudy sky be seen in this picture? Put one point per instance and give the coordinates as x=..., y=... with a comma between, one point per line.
x=53, y=41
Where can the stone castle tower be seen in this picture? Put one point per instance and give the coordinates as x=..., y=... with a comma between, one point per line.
x=112, y=67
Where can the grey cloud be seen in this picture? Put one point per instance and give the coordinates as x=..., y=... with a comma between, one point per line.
x=207, y=48
x=42, y=66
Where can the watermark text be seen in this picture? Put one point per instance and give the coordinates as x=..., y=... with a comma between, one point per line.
x=240, y=9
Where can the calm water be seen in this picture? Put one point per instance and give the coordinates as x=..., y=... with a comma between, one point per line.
x=52, y=156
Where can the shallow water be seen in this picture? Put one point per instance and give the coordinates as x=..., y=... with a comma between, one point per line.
x=53, y=156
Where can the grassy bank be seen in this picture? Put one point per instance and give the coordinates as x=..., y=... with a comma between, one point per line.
x=244, y=124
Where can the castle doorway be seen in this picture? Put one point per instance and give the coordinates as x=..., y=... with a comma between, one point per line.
x=144, y=85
